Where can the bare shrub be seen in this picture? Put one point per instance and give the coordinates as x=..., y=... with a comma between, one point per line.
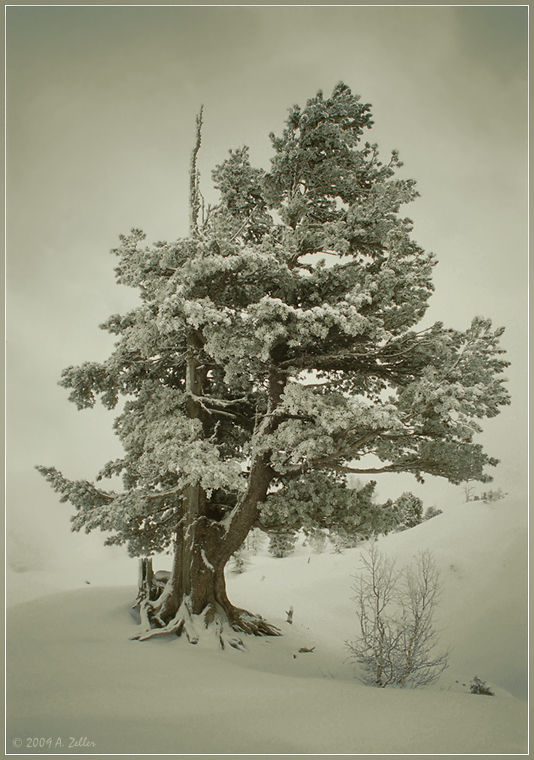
x=395, y=610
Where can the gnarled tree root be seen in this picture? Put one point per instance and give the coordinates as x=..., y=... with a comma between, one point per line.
x=241, y=620
x=183, y=622
x=154, y=625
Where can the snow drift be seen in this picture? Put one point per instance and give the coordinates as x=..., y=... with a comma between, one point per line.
x=73, y=674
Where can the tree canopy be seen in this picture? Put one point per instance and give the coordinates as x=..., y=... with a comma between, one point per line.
x=275, y=348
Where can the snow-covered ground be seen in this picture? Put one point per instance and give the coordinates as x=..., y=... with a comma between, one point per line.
x=73, y=672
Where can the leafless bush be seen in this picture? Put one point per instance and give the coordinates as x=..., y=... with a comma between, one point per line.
x=395, y=611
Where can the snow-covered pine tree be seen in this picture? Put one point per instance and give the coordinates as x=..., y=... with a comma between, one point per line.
x=409, y=509
x=282, y=543
x=254, y=541
x=274, y=347
x=432, y=512
x=239, y=560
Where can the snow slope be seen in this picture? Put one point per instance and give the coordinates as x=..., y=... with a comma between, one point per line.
x=72, y=671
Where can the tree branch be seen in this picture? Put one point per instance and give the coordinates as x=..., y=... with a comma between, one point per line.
x=194, y=193
x=163, y=494
x=247, y=220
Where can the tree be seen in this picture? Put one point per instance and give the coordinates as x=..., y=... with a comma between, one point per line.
x=323, y=503
x=254, y=541
x=478, y=686
x=410, y=511
x=395, y=610
x=239, y=560
x=469, y=492
x=490, y=497
x=257, y=367
x=432, y=512
x=282, y=543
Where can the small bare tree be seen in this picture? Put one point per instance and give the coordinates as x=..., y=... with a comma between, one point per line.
x=395, y=610
x=376, y=591
x=418, y=664
x=469, y=491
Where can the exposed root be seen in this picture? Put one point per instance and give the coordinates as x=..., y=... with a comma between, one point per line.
x=220, y=621
x=241, y=620
x=231, y=641
x=153, y=625
x=237, y=644
x=183, y=622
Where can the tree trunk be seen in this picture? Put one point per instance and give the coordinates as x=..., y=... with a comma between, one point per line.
x=195, y=595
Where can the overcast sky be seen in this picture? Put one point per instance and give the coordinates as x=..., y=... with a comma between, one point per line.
x=101, y=105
